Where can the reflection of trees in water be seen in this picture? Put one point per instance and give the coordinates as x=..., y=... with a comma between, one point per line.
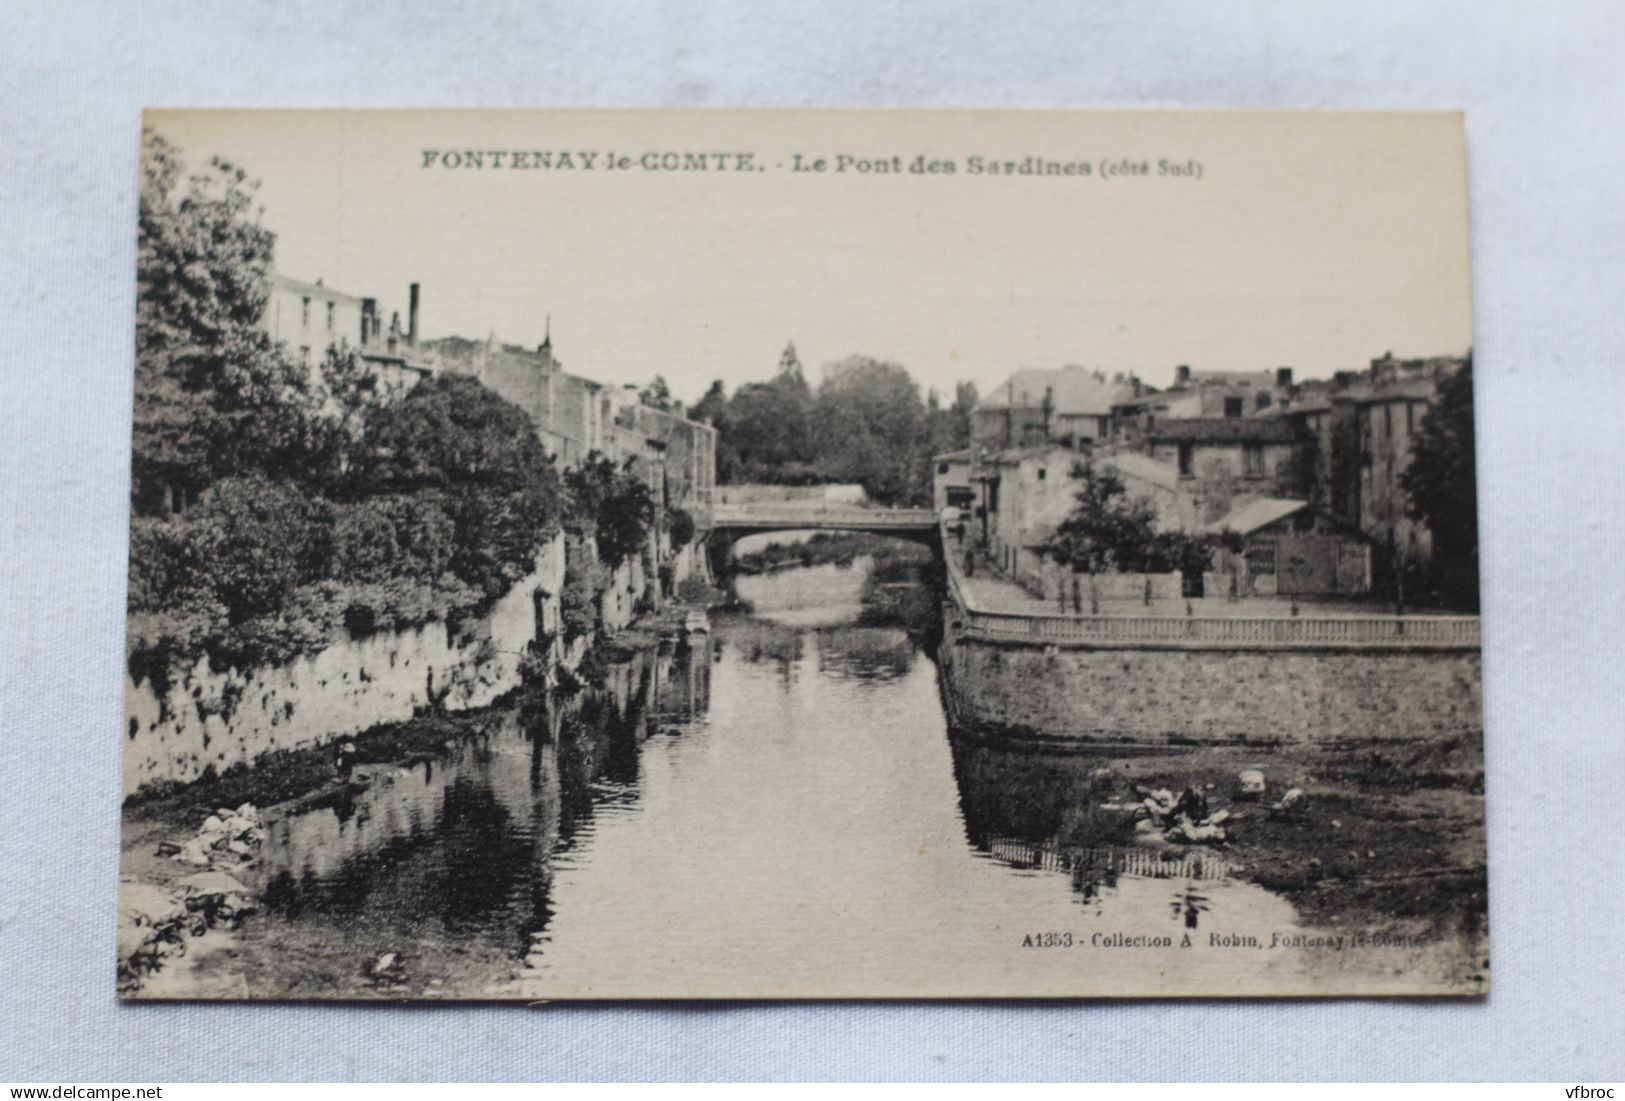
x=864, y=653
x=762, y=642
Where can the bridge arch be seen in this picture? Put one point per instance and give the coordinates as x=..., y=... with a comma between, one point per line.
x=722, y=526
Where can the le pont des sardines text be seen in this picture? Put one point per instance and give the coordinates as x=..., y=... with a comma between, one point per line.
x=834, y=164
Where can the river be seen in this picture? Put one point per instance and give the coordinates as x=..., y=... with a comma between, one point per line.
x=774, y=810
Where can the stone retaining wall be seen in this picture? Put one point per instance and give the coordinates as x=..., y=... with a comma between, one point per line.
x=1167, y=694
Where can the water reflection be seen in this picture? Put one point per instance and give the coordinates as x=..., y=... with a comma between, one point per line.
x=772, y=809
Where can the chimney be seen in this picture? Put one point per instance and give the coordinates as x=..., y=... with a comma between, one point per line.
x=1283, y=377
x=1182, y=376
x=1139, y=387
x=412, y=314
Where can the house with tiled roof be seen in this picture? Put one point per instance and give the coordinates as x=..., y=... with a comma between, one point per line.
x=1064, y=404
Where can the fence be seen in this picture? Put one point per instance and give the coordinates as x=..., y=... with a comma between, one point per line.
x=1195, y=632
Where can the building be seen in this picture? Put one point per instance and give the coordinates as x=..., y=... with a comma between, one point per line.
x=572, y=415
x=951, y=480
x=1063, y=404
x=1027, y=492
x=576, y=417
x=679, y=454
x=1287, y=548
x=1272, y=545
x=308, y=319
x=1202, y=395
x=1221, y=459
x=1388, y=413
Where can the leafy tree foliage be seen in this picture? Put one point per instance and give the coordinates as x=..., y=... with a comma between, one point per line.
x=612, y=505
x=680, y=526
x=272, y=507
x=1111, y=532
x=866, y=423
x=1442, y=482
x=656, y=395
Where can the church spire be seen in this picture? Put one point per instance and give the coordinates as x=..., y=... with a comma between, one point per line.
x=789, y=362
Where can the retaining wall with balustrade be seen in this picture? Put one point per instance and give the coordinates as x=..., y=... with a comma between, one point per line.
x=1171, y=678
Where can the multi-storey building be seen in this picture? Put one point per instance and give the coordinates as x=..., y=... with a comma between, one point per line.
x=308, y=319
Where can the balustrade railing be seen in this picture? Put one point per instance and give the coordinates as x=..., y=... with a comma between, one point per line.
x=818, y=516
x=1442, y=632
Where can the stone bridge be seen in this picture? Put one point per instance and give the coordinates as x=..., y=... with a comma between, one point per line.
x=721, y=526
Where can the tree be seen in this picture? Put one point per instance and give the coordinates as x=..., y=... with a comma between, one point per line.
x=1110, y=532
x=770, y=425
x=614, y=506
x=872, y=428
x=213, y=396
x=451, y=437
x=1442, y=483
x=656, y=395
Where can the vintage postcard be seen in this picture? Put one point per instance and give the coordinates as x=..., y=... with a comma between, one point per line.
x=802, y=554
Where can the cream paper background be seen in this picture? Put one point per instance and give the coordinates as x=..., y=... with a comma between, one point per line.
x=1544, y=103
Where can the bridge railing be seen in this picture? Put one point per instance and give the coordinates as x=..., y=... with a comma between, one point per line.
x=1306, y=632
x=818, y=516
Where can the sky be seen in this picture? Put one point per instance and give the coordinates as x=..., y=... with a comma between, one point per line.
x=1314, y=240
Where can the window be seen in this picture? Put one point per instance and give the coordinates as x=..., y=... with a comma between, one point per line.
x=942, y=468
x=1041, y=473
x=1261, y=558
x=1410, y=418
x=304, y=312
x=304, y=355
x=1185, y=459
x=330, y=317
x=1252, y=460
x=1233, y=407
x=1262, y=400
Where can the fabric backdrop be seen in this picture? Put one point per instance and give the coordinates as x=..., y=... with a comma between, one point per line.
x=1544, y=94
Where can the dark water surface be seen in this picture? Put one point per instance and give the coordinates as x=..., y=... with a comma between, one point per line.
x=773, y=810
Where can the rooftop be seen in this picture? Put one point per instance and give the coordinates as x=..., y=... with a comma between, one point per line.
x=1258, y=513
x=315, y=290
x=1075, y=390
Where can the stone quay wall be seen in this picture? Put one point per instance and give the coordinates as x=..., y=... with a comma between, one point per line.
x=1151, y=679
x=1166, y=694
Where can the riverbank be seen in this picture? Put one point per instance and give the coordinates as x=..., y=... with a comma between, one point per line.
x=1392, y=839
x=159, y=820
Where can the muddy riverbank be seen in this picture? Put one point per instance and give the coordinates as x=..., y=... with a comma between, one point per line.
x=1392, y=837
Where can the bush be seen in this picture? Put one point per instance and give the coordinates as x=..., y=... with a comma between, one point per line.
x=680, y=525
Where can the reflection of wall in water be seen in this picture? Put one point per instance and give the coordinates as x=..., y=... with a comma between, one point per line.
x=474, y=834
x=1017, y=793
